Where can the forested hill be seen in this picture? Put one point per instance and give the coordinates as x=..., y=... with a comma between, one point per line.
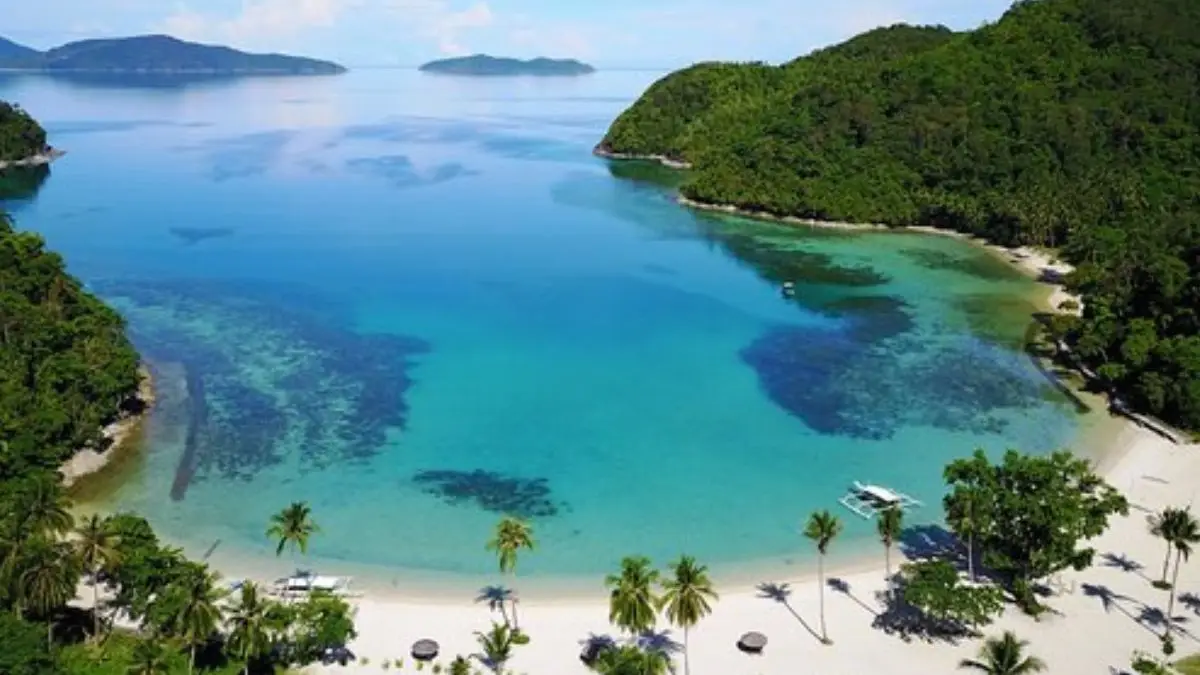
x=20, y=135
x=1068, y=123
x=158, y=54
x=66, y=367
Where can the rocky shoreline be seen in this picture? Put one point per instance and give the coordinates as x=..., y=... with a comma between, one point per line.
x=40, y=159
x=661, y=159
x=88, y=461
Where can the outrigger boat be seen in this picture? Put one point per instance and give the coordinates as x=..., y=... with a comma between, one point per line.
x=867, y=500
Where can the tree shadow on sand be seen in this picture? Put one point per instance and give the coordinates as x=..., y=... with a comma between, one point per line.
x=659, y=642
x=906, y=622
x=1146, y=617
x=1191, y=601
x=1124, y=563
x=593, y=646
x=842, y=586
x=782, y=593
x=496, y=598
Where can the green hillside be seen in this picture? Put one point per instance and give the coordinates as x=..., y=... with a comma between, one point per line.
x=1066, y=123
x=20, y=135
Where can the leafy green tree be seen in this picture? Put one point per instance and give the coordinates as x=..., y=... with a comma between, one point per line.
x=934, y=588
x=511, y=535
x=1183, y=531
x=25, y=651
x=96, y=546
x=632, y=605
x=497, y=646
x=292, y=527
x=49, y=571
x=250, y=628
x=322, y=621
x=151, y=656
x=1035, y=511
x=966, y=515
x=889, y=524
x=822, y=528
x=460, y=666
x=687, y=597
x=194, y=606
x=1004, y=656
x=631, y=660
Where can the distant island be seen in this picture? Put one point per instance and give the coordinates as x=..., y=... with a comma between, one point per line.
x=482, y=65
x=159, y=54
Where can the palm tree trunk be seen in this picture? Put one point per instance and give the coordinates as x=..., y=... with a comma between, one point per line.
x=687, y=666
x=1166, y=562
x=513, y=590
x=1171, y=598
x=821, y=581
x=50, y=634
x=95, y=610
x=887, y=560
x=191, y=659
x=971, y=556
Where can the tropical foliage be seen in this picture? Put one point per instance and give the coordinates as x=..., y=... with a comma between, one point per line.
x=20, y=135
x=512, y=535
x=687, y=597
x=822, y=528
x=631, y=660
x=1033, y=512
x=632, y=604
x=292, y=528
x=948, y=605
x=1004, y=656
x=1066, y=123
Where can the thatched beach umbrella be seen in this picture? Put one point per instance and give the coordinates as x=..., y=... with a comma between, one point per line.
x=752, y=642
x=425, y=650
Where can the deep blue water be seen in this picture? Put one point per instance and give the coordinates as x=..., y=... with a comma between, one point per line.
x=419, y=302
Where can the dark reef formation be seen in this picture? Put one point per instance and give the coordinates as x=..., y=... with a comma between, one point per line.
x=275, y=373
x=491, y=491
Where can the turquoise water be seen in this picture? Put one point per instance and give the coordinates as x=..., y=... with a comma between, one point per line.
x=420, y=302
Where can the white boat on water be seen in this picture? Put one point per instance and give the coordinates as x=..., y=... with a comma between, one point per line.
x=868, y=500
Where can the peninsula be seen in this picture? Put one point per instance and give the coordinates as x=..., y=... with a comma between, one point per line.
x=995, y=132
x=157, y=54
x=482, y=65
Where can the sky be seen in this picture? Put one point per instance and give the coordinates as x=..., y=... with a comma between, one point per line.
x=612, y=33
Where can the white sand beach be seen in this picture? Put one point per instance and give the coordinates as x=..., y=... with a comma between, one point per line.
x=1100, y=616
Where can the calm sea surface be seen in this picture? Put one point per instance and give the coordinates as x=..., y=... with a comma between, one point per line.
x=419, y=303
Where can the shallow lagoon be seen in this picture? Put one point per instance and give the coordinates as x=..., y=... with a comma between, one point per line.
x=419, y=302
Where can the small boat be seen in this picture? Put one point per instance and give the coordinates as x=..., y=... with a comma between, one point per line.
x=301, y=584
x=868, y=500
x=788, y=289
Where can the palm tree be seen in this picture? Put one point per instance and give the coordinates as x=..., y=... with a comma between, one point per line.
x=967, y=519
x=195, y=601
x=889, y=524
x=631, y=604
x=823, y=527
x=49, y=572
x=1164, y=525
x=292, y=528
x=1004, y=656
x=460, y=666
x=150, y=657
x=512, y=535
x=96, y=546
x=496, y=645
x=250, y=626
x=686, y=598
x=44, y=509
x=1184, y=532
x=630, y=660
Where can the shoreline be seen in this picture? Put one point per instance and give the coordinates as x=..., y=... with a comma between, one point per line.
x=88, y=463
x=676, y=164
x=40, y=159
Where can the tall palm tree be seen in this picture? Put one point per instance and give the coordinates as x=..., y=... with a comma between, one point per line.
x=630, y=660
x=151, y=656
x=96, y=546
x=822, y=528
x=49, y=572
x=43, y=509
x=292, y=527
x=966, y=516
x=686, y=596
x=1164, y=525
x=250, y=626
x=889, y=524
x=1184, y=533
x=632, y=605
x=511, y=535
x=195, y=601
x=1004, y=656
x=496, y=646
